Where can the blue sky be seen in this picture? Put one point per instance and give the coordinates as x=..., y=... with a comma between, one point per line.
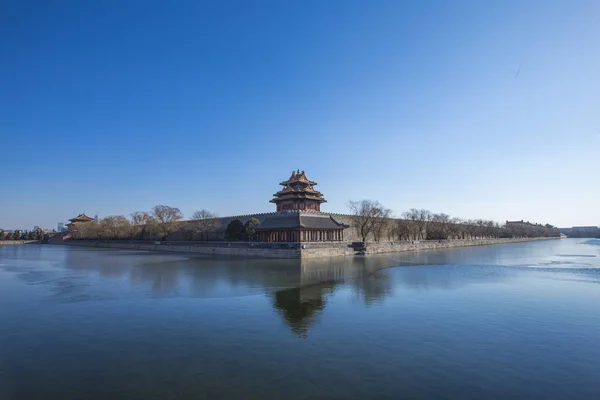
x=477, y=109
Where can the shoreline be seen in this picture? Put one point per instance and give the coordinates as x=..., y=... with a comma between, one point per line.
x=18, y=242
x=293, y=250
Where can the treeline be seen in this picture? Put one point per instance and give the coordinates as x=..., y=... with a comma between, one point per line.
x=373, y=221
x=157, y=224
x=38, y=234
x=154, y=224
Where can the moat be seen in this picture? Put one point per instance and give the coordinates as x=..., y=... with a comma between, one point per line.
x=504, y=321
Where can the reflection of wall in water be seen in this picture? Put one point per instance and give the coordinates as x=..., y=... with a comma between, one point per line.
x=331, y=269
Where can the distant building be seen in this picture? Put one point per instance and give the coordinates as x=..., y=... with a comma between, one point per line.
x=80, y=218
x=61, y=227
x=586, y=228
x=581, y=231
x=525, y=223
x=35, y=227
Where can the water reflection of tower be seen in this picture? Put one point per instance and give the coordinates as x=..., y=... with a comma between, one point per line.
x=301, y=306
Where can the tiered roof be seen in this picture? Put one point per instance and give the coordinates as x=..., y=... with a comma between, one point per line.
x=298, y=186
x=81, y=218
x=297, y=176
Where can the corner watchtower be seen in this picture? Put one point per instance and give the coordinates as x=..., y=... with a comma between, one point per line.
x=298, y=193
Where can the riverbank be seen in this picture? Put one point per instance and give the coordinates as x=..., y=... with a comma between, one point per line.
x=9, y=242
x=289, y=250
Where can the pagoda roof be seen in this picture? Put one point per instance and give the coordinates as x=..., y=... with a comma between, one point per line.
x=290, y=190
x=81, y=218
x=298, y=220
x=297, y=176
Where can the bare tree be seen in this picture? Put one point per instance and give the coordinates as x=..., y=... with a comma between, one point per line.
x=454, y=228
x=204, y=222
x=381, y=223
x=85, y=230
x=419, y=220
x=391, y=230
x=370, y=217
x=115, y=227
x=403, y=229
x=439, y=227
x=167, y=218
x=143, y=223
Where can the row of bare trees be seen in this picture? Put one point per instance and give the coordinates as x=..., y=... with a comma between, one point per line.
x=157, y=223
x=373, y=221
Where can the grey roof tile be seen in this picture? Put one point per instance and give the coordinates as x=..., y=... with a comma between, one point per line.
x=298, y=220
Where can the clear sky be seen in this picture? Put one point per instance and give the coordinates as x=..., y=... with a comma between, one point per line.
x=484, y=109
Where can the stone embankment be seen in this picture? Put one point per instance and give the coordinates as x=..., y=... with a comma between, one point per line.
x=239, y=249
x=7, y=242
x=332, y=250
x=290, y=250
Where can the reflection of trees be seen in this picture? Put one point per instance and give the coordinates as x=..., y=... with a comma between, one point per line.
x=160, y=271
x=107, y=263
x=164, y=279
x=373, y=285
x=301, y=306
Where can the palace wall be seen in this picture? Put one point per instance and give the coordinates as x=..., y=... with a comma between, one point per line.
x=184, y=233
x=318, y=250
x=219, y=234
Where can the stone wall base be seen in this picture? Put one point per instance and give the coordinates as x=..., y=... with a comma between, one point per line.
x=394, y=247
x=290, y=250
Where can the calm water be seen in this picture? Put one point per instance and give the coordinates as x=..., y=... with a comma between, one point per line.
x=506, y=321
